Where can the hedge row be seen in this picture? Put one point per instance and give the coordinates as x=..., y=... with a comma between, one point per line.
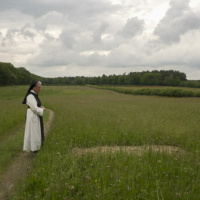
x=167, y=92
x=161, y=92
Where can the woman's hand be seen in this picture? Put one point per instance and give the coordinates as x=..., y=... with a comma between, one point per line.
x=43, y=107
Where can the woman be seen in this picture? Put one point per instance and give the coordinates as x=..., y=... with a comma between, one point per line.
x=34, y=130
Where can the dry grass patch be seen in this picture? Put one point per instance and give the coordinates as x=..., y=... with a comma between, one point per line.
x=139, y=150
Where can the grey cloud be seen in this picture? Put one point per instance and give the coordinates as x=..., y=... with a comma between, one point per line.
x=85, y=9
x=178, y=20
x=56, y=57
x=11, y=35
x=51, y=52
x=99, y=31
x=65, y=34
x=133, y=27
x=27, y=32
x=97, y=58
x=51, y=17
x=177, y=8
x=67, y=39
x=9, y=38
x=35, y=8
x=83, y=23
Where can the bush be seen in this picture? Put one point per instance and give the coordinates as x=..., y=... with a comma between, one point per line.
x=167, y=92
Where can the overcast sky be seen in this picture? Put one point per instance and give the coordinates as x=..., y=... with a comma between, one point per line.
x=54, y=38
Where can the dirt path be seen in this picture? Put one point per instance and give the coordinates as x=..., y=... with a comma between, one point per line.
x=20, y=167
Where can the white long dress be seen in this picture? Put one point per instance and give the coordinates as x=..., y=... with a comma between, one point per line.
x=32, y=136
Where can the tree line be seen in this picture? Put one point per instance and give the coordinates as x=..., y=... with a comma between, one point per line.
x=10, y=75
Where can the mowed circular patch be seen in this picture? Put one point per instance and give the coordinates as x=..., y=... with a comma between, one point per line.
x=139, y=150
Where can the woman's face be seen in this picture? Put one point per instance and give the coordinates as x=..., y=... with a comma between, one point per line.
x=37, y=88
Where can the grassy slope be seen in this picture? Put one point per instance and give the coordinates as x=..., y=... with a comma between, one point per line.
x=86, y=117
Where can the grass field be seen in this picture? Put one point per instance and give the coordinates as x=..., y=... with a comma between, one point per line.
x=12, y=123
x=91, y=118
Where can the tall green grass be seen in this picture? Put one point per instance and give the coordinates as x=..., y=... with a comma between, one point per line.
x=12, y=118
x=86, y=117
x=12, y=123
x=154, y=90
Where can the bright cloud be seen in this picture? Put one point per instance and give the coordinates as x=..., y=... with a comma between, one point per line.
x=91, y=38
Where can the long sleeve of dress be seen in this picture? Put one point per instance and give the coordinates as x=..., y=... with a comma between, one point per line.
x=32, y=103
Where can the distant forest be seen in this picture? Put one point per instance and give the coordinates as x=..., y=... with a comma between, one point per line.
x=10, y=75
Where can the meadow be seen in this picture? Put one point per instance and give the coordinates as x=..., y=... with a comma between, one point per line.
x=87, y=118
x=12, y=123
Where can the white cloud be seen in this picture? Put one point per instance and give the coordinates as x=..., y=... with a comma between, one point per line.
x=179, y=19
x=13, y=19
x=69, y=38
x=133, y=27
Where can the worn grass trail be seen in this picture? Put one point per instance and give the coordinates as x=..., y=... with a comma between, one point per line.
x=20, y=166
x=12, y=120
